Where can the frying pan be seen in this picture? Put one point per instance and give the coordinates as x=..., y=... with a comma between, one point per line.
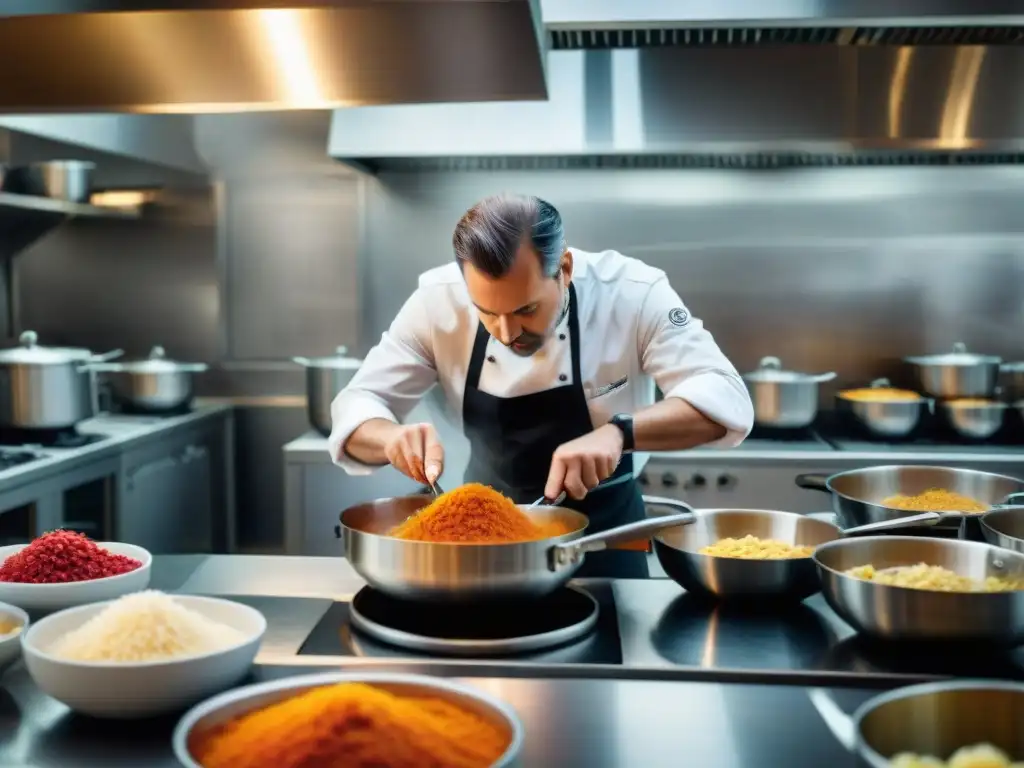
x=728, y=578
x=441, y=571
x=857, y=494
x=899, y=613
x=1004, y=527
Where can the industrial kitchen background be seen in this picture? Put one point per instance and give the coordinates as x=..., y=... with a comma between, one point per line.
x=839, y=199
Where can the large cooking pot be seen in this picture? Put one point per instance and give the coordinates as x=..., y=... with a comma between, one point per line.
x=325, y=378
x=783, y=399
x=958, y=373
x=457, y=572
x=47, y=387
x=154, y=385
x=932, y=719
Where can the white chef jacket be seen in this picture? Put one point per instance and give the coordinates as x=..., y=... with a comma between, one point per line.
x=635, y=330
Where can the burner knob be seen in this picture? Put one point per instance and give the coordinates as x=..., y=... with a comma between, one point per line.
x=695, y=481
x=643, y=479
x=669, y=480
x=726, y=481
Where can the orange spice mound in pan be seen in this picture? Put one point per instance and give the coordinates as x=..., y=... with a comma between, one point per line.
x=474, y=514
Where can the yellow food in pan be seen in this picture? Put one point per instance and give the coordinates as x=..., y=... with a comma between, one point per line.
x=934, y=578
x=753, y=548
x=980, y=756
x=935, y=500
x=880, y=395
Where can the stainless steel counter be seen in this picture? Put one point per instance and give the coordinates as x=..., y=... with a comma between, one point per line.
x=120, y=432
x=693, y=679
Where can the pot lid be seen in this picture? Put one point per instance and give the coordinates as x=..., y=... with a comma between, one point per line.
x=770, y=370
x=959, y=356
x=339, y=361
x=158, y=362
x=31, y=353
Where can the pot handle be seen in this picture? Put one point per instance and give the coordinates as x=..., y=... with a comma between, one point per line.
x=821, y=378
x=1011, y=500
x=913, y=521
x=569, y=554
x=106, y=357
x=302, y=361
x=813, y=482
x=837, y=721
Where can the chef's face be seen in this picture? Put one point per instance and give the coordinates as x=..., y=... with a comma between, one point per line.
x=522, y=307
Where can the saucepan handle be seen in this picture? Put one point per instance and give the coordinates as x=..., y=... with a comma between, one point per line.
x=1011, y=500
x=570, y=553
x=837, y=721
x=813, y=482
x=924, y=519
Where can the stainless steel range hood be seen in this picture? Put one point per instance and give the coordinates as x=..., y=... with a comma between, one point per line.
x=683, y=106
x=233, y=55
x=595, y=24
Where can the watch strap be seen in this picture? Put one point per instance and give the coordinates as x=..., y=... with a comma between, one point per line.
x=624, y=422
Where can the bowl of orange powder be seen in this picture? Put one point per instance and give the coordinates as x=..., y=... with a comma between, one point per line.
x=350, y=719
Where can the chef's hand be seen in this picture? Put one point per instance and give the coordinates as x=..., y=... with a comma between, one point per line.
x=415, y=450
x=579, y=465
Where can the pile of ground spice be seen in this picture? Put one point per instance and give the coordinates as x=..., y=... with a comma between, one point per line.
x=474, y=514
x=353, y=725
x=60, y=557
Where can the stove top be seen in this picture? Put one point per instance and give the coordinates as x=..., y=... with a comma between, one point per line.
x=563, y=628
x=13, y=458
x=803, y=641
x=47, y=438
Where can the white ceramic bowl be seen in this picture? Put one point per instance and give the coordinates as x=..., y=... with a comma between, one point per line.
x=147, y=688
x=45, y=598
x=232, y=704
x=10, y=645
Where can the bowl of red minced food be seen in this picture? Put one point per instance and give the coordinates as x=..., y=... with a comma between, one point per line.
x=62, y=569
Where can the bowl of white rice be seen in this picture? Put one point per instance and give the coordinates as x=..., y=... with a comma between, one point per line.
x=144, y=654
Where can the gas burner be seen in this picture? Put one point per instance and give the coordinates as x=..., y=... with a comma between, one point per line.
x=48, y=438
x=491, y=629
x=9, y=458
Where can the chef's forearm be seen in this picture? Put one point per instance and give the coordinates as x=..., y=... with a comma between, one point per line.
x=673, y=425
x=367, y=443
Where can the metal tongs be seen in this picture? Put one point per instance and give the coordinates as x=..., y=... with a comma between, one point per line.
x=436, y=489
x=544, y=501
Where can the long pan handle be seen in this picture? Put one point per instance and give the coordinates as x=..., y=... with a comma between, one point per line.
x=570, y=553
x=913, y=521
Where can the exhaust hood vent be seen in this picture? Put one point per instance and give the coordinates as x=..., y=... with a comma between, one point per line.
x=194, y=56
x=610, y=39
x=737, y=161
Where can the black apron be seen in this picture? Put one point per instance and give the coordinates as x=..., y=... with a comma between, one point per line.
x=512, y=440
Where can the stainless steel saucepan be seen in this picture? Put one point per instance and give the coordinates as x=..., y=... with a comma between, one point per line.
x=726, y=578
x=420, y=570
x=900, y=613
x=783, y=399
x=933, y=719
x=154, y=385
x=857, y=494
x=1004, y=527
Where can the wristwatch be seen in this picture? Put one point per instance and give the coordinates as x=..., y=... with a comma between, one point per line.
x=625, y=424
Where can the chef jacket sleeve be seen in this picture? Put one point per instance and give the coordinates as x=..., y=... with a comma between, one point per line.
x=393, y=378
x=685, y=362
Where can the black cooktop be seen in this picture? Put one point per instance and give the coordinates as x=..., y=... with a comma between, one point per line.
x=335, y=634
x=803, y=639
x=48, y=438
x=12, y=458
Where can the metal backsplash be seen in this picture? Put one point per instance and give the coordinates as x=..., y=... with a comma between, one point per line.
x=844, y=269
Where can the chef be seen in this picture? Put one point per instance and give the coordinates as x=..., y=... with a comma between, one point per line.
x=550, y=354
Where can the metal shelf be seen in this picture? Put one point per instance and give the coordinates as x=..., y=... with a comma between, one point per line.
x=26, y=218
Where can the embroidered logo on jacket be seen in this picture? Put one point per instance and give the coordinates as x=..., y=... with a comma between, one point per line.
x=679, y=316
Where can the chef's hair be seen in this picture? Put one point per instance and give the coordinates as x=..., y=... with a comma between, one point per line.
x=489, y=234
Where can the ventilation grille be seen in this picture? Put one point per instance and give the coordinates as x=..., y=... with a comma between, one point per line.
x=757, y=160
x=606, y=39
